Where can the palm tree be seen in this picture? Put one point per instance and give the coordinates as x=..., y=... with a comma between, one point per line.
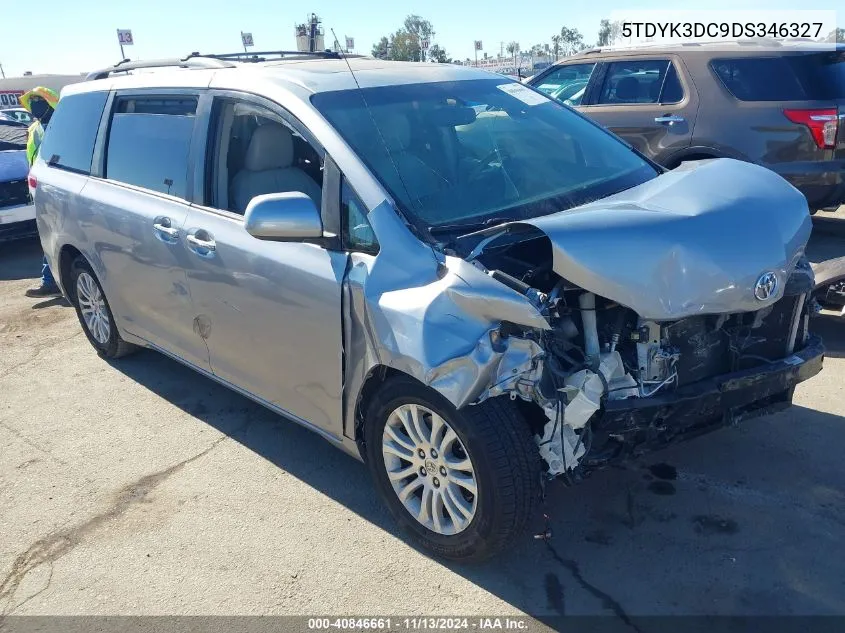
x=513, y=49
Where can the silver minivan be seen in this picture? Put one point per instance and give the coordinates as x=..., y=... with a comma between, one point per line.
x=461, y=282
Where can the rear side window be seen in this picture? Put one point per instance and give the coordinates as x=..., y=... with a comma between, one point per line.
x=641, y=81
x=759, y=79
x=69, y=139
x=149, y=140
x=813, y=77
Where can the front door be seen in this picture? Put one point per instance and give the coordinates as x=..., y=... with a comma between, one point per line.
x=651, y=103
x=269, y=312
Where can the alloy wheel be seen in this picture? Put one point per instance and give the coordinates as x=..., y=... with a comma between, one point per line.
x=92, y=305
x=429, y=469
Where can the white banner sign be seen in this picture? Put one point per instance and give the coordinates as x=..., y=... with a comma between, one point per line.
x=124, y=36
x=246, y=38
x=425, y=44
x=478, y=45
x=350, y=43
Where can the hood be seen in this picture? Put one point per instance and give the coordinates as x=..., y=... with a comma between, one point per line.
x=694, y=240
x=13, y=165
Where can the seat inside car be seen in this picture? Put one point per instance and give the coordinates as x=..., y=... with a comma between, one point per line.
x=268, y=168
x=627, y=90
x=416, y=178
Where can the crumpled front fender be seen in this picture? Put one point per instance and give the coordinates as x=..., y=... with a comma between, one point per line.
x=431, y=318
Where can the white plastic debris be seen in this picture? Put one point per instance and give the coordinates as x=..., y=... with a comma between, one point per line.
x=560, y=445
x=620, y=384
x=591, y=388
x=587, y=402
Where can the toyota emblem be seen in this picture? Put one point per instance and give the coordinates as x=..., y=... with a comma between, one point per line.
x=766, y=286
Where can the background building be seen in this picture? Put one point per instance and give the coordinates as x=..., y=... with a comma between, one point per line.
x=11, y=88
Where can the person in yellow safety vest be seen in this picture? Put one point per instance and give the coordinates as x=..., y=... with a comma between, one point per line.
x=40, y=102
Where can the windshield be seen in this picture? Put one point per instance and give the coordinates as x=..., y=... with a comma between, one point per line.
x=465, y=152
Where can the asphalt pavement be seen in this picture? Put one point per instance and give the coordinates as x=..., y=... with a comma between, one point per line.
x=140, y=487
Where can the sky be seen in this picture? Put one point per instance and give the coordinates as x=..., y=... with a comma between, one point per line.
x=72, y=36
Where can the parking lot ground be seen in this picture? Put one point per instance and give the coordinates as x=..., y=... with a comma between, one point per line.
x=140, y=487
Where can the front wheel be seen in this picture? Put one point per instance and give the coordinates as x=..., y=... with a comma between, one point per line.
x=462, y=483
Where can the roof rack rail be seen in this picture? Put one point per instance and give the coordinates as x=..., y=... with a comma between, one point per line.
x=264, y=56
x=187, y=62
x=692, y=44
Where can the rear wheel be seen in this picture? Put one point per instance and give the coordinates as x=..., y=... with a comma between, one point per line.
x=94, y=313
x=462, y=483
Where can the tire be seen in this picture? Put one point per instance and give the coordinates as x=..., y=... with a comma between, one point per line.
x=491, y=436
x=86, y=292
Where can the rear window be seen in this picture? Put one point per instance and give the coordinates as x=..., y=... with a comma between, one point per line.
x=69, y=139
x=149, y=140
x=810, y=77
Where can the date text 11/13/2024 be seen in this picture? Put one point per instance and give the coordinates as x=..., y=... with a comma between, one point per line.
x=420, y=624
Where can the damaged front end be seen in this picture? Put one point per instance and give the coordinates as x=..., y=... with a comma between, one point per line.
x=663, y=324
x=606, y=383
x=617, y=327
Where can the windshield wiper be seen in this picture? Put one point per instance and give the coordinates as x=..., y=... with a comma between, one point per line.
x=466, y=228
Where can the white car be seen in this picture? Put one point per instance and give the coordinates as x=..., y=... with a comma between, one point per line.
x=21, y=115
x=17, y=213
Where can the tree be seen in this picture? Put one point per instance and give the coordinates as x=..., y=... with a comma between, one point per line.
x=605, y=32
x=437, y=54
x=537, y=50
x=512, y=48
x=406, y=43
x=380, y=48
x=419, y=28
x=571, y=40
x=556, y=39
x=608, y=32
x=404, y=47
x=836, y=35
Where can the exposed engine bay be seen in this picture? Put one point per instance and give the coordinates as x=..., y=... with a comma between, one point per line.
x=598, y=352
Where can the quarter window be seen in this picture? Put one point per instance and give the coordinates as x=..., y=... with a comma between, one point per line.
x=149, y=141
x=358, y=234
x=69, y=139
x=646, y=81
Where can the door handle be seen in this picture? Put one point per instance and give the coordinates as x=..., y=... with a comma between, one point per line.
x=206, y=245
x=169, y=231
x=669, y=118
x=164, y=230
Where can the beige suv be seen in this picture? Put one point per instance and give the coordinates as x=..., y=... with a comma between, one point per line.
x=780, y=106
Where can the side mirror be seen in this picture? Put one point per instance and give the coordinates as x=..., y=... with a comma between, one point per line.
x=283, y=217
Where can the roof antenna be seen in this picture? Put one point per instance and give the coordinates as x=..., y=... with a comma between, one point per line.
x=378, y=131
